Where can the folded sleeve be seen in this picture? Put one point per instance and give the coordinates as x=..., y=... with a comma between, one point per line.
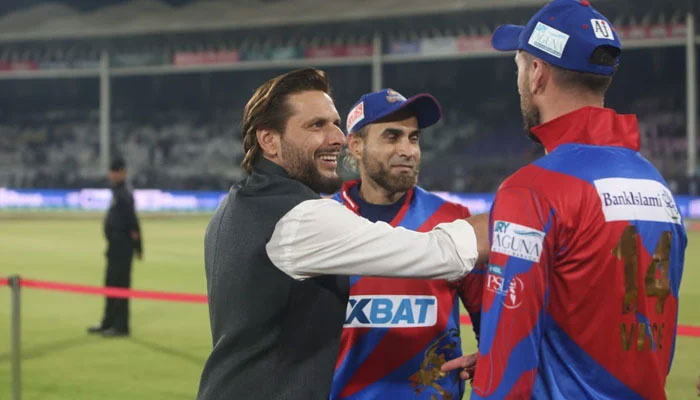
x=322, y=237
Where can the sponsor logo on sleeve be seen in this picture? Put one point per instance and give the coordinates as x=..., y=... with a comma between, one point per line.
x=511, y=296
x=517, y=240
x=624, y=199
x=548, y=39
x=356, y=115
x=391, y=311
x=601, y=29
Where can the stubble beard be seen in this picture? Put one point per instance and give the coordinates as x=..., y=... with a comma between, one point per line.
x=531, y=115
x=383, y=177
x=304, y=169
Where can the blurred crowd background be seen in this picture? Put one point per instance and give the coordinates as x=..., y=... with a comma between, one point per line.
x=180, y=73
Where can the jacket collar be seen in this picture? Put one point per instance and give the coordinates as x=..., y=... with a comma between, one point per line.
x=590, y=125
x=266, y=167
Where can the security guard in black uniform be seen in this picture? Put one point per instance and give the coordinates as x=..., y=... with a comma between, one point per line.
x=123, y=241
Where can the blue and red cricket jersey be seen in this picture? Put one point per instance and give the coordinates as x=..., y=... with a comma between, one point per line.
x=587, y=247
x=398, y=332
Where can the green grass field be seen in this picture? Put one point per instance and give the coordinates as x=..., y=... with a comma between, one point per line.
x=164, y=356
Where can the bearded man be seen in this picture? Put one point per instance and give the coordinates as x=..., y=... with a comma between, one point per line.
x=385, y=352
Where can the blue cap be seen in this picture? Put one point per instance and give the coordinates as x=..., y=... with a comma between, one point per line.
x=377, y=105
x=564, y=33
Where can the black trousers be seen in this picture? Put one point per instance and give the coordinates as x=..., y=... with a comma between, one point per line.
x=118, y=274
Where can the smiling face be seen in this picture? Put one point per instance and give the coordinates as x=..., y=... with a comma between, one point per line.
x=389, y=153
x=312, y=140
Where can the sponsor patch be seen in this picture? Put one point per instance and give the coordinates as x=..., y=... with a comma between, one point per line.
x=517, y=240
x=601, y=29
x=391, y=311
x=496, y=269
x=356, y=115
x=624, y=199
x=548, y=39
x=511, y=297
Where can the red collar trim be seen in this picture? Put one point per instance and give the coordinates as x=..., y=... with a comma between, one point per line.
x=352, y=205
x=347, y=199
x=590, y=125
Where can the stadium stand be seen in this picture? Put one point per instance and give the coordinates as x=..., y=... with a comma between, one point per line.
x=180, y=131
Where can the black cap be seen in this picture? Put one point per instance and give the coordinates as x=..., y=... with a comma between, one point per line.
x=117, y=164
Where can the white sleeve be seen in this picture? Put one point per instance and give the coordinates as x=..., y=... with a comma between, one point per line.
x=323, y=237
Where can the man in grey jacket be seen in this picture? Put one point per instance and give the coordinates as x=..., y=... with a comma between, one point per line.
x=276, y=253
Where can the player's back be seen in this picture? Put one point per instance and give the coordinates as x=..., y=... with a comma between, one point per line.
x=616, y=262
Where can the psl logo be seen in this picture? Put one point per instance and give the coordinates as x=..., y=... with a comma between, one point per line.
x=512, y=296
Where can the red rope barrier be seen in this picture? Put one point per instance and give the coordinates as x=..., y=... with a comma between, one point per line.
x=111, y=291
x=682, y=330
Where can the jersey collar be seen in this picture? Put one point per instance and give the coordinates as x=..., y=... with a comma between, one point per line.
x=590, y=125
x=352, y=204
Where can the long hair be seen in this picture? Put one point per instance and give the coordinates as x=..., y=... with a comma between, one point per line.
x=268, y=108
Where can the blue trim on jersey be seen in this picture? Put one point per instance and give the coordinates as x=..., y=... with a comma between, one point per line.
x=423, y=206
x=520, y=360
x=561, y=362
x=354, y=358
x=514, y=266
x=588, y=162
x=353, y=280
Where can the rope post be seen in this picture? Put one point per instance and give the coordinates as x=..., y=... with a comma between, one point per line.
x=15, y=368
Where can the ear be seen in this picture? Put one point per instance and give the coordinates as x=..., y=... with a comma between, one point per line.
x=355, y=145
x=540, y=73
x=269, y=142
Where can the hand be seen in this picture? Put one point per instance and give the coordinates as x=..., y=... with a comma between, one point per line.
x=139, y=255
x=466, y=363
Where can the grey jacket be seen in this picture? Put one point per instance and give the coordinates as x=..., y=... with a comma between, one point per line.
x=274, y=337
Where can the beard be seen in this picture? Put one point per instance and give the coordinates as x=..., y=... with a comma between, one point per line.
x=383, y=177
x=531, y=115
x=302, y=168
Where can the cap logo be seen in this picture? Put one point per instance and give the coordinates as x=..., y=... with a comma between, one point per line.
x=392, y=96
x=356, y=115
x=601, y=29
x=549, y=40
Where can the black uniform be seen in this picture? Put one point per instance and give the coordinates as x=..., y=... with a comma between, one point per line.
x=119, y=223
x=274, y=337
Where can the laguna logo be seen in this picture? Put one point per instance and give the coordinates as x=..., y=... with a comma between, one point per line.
x=624, y=199
x=391, y=311
x=517, y=240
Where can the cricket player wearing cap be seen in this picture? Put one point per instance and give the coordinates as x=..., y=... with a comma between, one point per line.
x=587, y=244
x=398, y=332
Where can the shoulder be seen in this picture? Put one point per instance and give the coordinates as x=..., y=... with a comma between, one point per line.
x=281, y=190
x=451, y=208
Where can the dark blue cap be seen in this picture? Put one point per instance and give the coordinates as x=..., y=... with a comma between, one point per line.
x=564, y=33
x=377, y=105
